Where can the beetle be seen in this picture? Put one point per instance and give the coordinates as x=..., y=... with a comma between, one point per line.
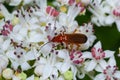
x=74, y=38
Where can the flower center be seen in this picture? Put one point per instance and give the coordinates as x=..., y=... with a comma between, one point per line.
x=75, y=57
x=98, y=54
x=19, y=53
x=110, y=71
x=116, y=11
x=7, y=28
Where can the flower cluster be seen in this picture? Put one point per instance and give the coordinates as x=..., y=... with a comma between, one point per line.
x=45, y=42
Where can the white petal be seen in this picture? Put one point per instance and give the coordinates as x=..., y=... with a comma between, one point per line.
x=74, y=70
x=30, y=78
x=86, y=55
x=61, y=78
x=62, y=54
x=25, y=66
x=98, y=68
x=45, y=49
x=65, y=67
x=15, y=2
x=27, y=1
x=33, y=20
x=103, y=64
x=30, y=56
x=16, y=28
x=10, y=54
x=109, y=20
x=117, y=74
x=15, y=78
x=112, y=61
x=55, y=72
x=100, y=77
x=39, y=70
x=47, y=71
x=15, y=65
x=118, y=25
x=6, y=44
x=109, y=53
x=35, y=37
x=58, y=65
x=97, y=45
x=23, y=32
x=91, y=65
x=19, y=37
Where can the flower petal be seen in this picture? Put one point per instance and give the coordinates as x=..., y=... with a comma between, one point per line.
x=90, y=66
x=45, y=49
x=25, y=66
x=103, y=64
x=30, y=78
x=108, y=53
x=62, y=54
x=30, y=55
x=65, y=67
x=15, y=65
x=112, y=61
x=97, y=45
x=47, y=71
x=87, y=55
x=117, y=74
x=100, y=77
x=98, y=68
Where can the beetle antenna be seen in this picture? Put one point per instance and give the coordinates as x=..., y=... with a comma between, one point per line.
x=44, y=45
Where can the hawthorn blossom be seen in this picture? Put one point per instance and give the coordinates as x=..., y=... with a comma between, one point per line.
x=19, y=57
x=88, y=30
x=97, y=57
x=105, y=13
x=109, y=71
x=71, y=61
x=46, y=67
x=68, y=20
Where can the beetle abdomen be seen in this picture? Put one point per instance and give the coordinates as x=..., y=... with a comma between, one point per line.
x=76, y=38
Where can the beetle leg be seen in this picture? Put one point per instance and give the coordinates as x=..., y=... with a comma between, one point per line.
x=71, y=46
x=78, y=46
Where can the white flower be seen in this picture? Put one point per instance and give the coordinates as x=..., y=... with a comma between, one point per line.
x=97, y=57
x=47, y=66
x=68, y=20
x=109, y=72
x=19, y=57
x=71, y=61
x=88, y=30
x=105, y=13
x=3, y=62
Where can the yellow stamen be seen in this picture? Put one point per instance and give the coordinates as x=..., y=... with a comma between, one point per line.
x=26, y=49
x=1, y=16
x=83, y=12
x=15, y=21
x=40, y=43
x=77, y=1
x=63, y=8
x=43, y=24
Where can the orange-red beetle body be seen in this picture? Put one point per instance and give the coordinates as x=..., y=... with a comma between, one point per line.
x=75, y=38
